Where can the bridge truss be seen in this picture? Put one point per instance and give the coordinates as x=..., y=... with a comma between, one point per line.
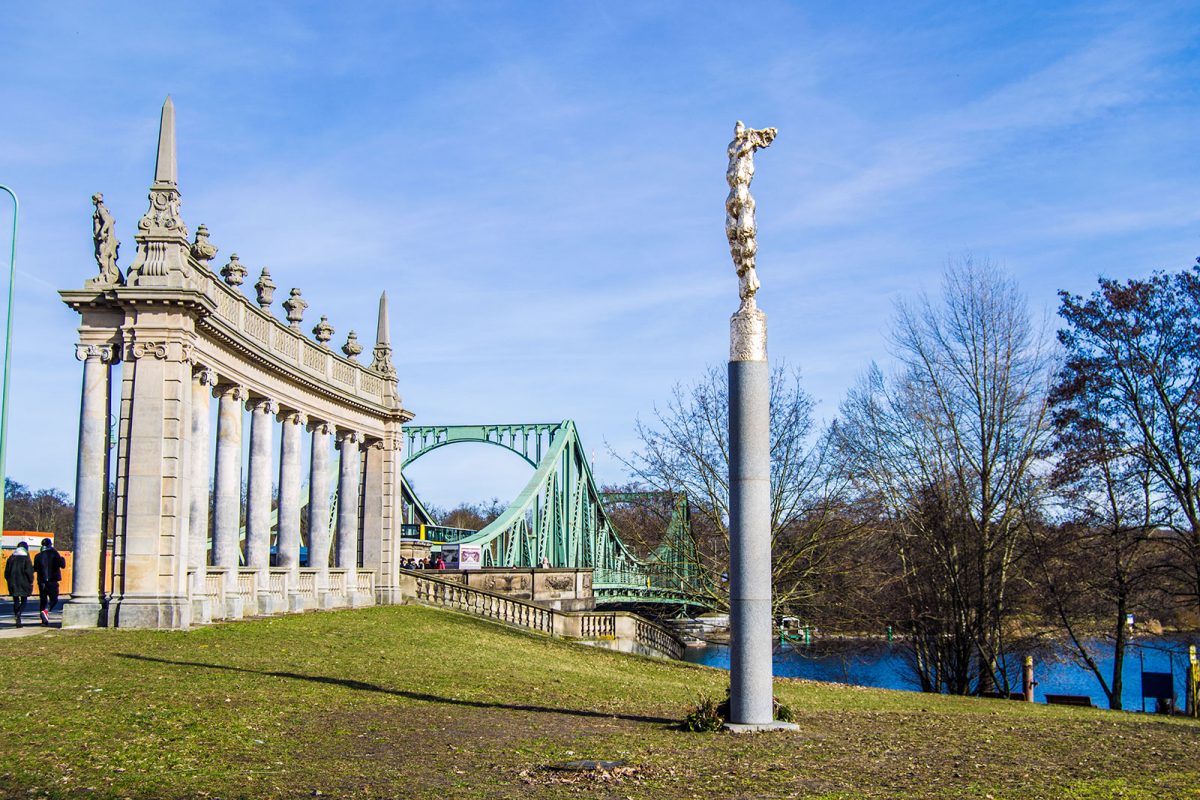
x=561, y=515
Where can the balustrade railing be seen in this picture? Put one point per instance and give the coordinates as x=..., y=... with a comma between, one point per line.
x=277, y=583
x=214, y=585
x=485, y=604
x=593, y=625
x=307, y=584
x=247, y=583
x=657, y=638
x=598, y=626
x=337, y=581
x=366, y=581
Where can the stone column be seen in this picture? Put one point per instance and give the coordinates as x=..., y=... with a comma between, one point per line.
x=227, y=490
x=202, y=380
x=258, y=490
x=750, y=681
x=346, y=544
x=288, y=541
x=85, y=610
x=258, y=502
x=318, y=505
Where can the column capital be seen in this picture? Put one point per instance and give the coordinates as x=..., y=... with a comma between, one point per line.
x=205, y=376
x=320, y=426
x=104, y=352
x=292, y=416
x=262, y=405
x=349, y=437
x=232, y=391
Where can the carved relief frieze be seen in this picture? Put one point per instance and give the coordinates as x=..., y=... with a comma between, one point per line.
x=287, y=345
x=506, y=583
x=314, y=358
x=560, y=583
x=257, y=327
x=343, y=372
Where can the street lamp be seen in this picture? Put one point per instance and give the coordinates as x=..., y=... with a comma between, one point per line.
x=12, y=273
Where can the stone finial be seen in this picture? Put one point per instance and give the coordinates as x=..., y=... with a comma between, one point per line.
x=166, y=169
x=202, y=249
x=323, y=331
x=265, y=288
x=382, y=360
x=352, y=348
x=105, y=240
x=294, y=306
x=234, y=272
x=162, y=237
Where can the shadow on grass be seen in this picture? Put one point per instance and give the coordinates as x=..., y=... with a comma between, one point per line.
x=363, y=686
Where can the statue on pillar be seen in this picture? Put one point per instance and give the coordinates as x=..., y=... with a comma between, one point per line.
x=739, y=207
x=105, y=240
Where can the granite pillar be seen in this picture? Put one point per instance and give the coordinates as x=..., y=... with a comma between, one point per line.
x=227, y=491
x=258, y=490
x=346, y=542
x=85, y=609
x=287, y=543
x=750, y=679
x=318, y=506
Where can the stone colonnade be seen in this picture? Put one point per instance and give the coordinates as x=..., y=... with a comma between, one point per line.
x=184, y=336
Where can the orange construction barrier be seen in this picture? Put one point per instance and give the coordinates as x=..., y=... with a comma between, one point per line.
x=63, y=588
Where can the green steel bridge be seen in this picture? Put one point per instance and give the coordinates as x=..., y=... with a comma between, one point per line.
x=561, y=515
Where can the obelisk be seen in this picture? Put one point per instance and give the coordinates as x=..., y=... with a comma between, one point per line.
x=750, y=685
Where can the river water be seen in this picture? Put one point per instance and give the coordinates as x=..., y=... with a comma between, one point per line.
x=882, y=664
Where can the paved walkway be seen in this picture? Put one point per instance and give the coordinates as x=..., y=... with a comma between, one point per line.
x=33, y=625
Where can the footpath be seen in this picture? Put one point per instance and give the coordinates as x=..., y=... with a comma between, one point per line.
x=30, y=617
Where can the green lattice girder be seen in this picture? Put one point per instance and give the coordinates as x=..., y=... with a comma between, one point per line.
x=560, y=514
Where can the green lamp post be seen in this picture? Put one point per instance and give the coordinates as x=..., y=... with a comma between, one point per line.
x=12, y=272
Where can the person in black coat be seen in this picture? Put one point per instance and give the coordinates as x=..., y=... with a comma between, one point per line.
x=48, y=565
x=18, y=574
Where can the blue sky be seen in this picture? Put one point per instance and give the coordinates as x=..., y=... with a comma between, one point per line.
x=539, y=186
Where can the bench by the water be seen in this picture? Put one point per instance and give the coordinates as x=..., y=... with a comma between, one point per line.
x=1069, y=700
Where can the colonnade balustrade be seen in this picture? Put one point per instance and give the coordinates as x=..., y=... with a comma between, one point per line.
x=170, y=551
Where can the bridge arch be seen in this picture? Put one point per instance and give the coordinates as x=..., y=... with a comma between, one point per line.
x=528, y=441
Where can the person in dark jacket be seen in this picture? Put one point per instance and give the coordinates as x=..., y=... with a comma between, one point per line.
x=18, y=574
x=48, y=565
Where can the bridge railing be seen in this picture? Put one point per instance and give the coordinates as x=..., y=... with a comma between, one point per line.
x=652, y=576
x=435, y=533
x=625, y=630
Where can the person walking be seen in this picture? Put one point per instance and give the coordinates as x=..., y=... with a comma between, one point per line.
x=48, y=565
x=18, y=574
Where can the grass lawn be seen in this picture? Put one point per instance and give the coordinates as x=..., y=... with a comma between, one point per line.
x=415, y=702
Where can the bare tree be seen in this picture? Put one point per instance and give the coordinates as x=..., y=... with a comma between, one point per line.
x=1133, y=372
x=40, y=510
x=1098, y=565
x=686, y=449
x=948, y=451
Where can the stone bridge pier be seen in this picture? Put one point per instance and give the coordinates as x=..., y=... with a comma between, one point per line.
x=161, y=342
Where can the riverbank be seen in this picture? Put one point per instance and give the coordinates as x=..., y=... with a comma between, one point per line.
x=415, y=702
